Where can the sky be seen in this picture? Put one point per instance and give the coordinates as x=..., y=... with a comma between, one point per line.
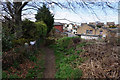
x=81, y=15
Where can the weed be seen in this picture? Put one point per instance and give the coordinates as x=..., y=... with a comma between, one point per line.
x=77, y=73
x=66, y=60
x=33, y=58
x=64, y=71
x=15, y=65
x=81, y=44
x=13, y=76
x=79, y=51
x=4, y=75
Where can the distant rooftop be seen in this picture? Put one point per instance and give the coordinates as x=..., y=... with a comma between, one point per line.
x=58, y=23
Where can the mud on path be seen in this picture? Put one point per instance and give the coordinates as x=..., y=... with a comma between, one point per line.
x=49, y=71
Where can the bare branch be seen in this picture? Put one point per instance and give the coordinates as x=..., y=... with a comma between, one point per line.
x=29, y=9
x=23, y=5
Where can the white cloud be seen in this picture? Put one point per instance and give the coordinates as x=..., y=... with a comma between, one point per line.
x=29, y=16
x=81, y=17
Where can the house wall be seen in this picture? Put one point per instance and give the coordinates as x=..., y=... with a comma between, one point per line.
x=59, y=27
x=71, y=35
x=74, y=31
x=89, y=37
x=82, y=30
x=69, y=27
x=104, y=32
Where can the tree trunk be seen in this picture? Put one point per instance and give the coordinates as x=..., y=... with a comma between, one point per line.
x=17, y=20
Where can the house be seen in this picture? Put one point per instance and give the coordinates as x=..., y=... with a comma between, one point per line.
x=103, y=31
x=86, y=29
x=92, y=32
x=100, y=24
x=70, y=28
x=83, y=24
x=58, y=26
x=110, y=23
x=92, y=23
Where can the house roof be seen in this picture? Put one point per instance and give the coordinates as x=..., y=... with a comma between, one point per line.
x=110, y=23
x=93, y=26
x=58, y=23
x=100, y=24
x=83, y=24
x=87, y=35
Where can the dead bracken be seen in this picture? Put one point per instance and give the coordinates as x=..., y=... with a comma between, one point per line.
x=103, y=61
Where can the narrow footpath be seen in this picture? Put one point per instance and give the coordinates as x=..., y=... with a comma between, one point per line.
x=49, y=63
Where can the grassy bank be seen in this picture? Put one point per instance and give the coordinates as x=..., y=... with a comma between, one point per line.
x=67, y=52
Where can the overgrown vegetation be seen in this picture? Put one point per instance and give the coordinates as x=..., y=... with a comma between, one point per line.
x=68, y=57
x=23, y=64
x=20, y=58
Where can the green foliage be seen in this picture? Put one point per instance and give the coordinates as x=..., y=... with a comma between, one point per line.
x=66, y=60
x=33, y=58
x=41, y=29
x=33, y=30
x=13, y=76
x=43, y=14
x=64, y=71
x=99, y=26
x=77, y=73
x=79, y=51
x=19, y=41
x=64, y=42
x=7, y=39
x=4, y=75
x=69, y=59
x=81, y=44
x=28, y=28
x=16, y=63
x=37, y=71
x=31, y=73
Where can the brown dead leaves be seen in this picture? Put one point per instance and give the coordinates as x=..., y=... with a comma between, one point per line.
x=103, y=61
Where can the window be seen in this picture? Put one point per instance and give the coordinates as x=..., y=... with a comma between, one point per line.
x=101, y=31
x=89, y=31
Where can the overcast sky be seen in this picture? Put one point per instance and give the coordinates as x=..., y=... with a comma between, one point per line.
x=81, y=14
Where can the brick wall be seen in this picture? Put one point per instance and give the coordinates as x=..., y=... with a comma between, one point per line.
x=59, y=27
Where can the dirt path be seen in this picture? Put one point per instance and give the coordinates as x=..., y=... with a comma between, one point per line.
x=49, y=63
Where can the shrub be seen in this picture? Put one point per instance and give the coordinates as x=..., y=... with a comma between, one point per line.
x=99, y=26
x=14, y=76
x=28, y=28
x=20, y=41
x=7, y=40
x=43, y=14
x=33, y=58
x=41, y=29
x=76, y=40
x=49, y=41
x=4, y=75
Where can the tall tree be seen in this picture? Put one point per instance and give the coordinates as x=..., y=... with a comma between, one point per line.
x=14, y=12
x=43, y=14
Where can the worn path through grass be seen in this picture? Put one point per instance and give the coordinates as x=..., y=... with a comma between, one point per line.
x=49, y=71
